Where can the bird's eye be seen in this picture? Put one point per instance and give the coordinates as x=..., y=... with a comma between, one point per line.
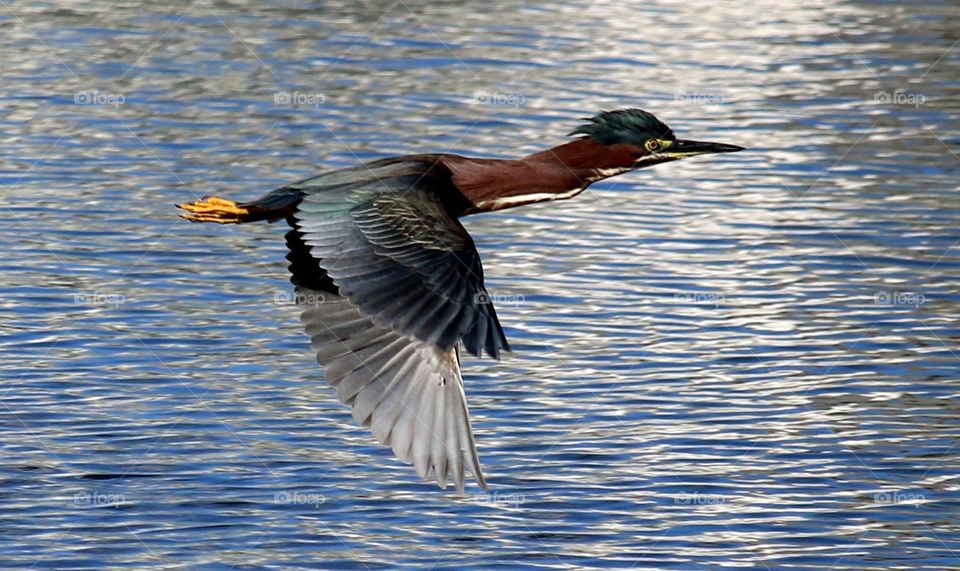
x=652, y=145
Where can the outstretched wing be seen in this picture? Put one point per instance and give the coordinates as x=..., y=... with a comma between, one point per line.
x=388, y=242
x=409, y=392
x=390, y=283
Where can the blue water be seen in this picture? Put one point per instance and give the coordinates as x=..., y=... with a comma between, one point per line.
x=748, y=360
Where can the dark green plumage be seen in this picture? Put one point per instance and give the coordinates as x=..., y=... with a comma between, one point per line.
x=624, y=126
x=381, y=233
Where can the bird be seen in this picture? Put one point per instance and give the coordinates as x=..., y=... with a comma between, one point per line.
x=389, y=283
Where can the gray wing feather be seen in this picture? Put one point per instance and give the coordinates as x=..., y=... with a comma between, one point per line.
x=409, y=391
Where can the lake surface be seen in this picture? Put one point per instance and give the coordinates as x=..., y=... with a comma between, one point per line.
x=748, y=360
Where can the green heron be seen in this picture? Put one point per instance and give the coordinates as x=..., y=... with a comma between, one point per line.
x=390, y=283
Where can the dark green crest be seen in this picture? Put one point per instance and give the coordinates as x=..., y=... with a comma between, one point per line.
x=627, y=126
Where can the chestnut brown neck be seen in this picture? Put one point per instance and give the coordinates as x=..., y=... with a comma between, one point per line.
x=554, y=174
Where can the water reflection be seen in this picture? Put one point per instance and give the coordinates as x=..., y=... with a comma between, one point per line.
x=745, y=360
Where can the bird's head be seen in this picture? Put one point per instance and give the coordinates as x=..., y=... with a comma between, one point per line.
x=636, y=139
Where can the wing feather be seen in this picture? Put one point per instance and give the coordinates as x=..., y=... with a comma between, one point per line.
x=390, y=284
x=410, y=392
x=389, y=242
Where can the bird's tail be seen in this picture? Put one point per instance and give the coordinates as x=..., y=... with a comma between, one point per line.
x=274, y=206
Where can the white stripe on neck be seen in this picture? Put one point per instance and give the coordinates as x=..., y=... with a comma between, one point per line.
x=522, y=199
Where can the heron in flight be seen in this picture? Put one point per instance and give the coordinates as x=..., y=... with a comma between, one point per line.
x=390, y=283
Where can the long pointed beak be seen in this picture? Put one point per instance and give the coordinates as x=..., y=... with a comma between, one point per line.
x=682, y=149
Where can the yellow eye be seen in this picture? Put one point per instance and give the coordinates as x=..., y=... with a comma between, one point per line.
x=652, y=145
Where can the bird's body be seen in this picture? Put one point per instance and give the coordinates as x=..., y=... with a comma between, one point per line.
x=391, y=285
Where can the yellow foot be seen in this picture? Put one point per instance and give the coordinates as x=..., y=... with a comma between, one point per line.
x=214, y=209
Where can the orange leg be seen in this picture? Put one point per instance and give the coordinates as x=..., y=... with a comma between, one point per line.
x=214, y=209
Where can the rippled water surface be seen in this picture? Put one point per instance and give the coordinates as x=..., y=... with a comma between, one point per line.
x=747, y=360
